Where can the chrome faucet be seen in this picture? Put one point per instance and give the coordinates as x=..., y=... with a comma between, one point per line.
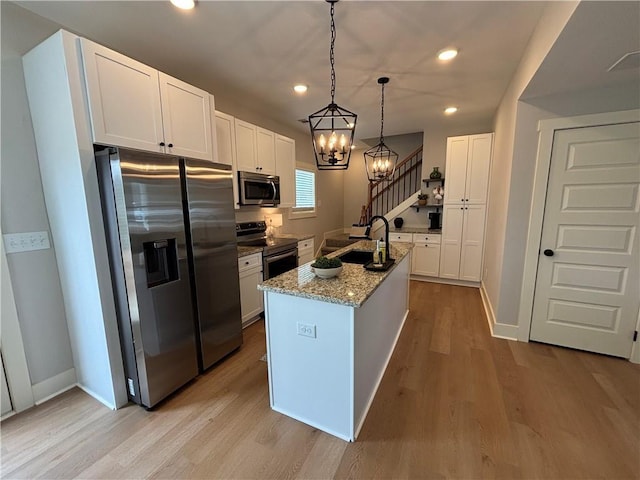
x=386, y=233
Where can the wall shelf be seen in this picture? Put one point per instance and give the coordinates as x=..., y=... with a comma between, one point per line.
x=428, y=205
x=428, y=180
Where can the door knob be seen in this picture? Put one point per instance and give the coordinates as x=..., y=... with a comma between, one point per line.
x=548, y=253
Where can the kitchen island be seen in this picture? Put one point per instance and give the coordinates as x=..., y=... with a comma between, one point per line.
x=329, y=340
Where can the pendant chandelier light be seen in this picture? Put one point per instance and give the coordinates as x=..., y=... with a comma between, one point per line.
x=380, y=161
x=333, y=127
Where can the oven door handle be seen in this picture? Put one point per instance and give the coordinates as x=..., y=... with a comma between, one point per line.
x=292, y=253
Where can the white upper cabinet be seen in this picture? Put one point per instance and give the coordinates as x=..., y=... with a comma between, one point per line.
x=134, y=105
x=266, y=151
x=225, y=139
x=246, y=146
x=186, y=118
x=124, y=99
x=456, y=169
x=286, y=170
x=467, y=170
x=226, y=148
x=478, y=164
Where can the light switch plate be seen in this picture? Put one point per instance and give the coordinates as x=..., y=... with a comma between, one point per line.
x=25, y=242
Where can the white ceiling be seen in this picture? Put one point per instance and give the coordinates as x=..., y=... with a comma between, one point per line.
x=258, y=50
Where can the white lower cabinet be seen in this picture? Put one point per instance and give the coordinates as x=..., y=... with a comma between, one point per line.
x=426, y=255
x=251, y=299
x=306, y=251
x=462, y=242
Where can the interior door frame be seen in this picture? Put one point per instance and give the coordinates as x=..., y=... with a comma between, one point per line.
x=547, y=129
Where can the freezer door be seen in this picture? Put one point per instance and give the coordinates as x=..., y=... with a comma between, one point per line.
x=148, y=203
x=214, y=256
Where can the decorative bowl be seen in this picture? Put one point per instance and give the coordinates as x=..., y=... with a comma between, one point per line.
x=326, y=272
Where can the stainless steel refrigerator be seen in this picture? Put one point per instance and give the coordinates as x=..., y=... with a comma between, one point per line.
x=170, y=227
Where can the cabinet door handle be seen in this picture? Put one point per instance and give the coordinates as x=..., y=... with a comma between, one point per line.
x=462, y=199
x=246, y=263
x=170, y=145
x=466, y=199
x=161, y=144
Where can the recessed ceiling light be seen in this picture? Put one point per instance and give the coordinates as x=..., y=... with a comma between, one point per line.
x=450, y=110
x=300, y=88
x=447, y=54
x=184, y=4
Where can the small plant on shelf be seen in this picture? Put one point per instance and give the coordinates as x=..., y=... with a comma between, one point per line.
x=422, y=199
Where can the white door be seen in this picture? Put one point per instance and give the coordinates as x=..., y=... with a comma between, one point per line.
x=124, y=99
x=587, y=287
x=245, y=146
x=425, y=259
x=478, y=163
x=456, y=171
x=225, y=138
x=472, y=242
x=186, y=118
x=266, y=151
x=5, y=401
x=453, y=216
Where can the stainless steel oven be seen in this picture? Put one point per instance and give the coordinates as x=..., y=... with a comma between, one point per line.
x=279, y=261
x=279, y=255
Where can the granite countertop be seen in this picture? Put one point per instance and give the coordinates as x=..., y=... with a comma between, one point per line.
x=410, y=229
x=351, y=288
x=297, y=236
x=244, y=251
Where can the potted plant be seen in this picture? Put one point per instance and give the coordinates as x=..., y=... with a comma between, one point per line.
x=325, y=267
x=422, y=199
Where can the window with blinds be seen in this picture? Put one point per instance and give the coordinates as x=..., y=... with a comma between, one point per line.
x=305, y=191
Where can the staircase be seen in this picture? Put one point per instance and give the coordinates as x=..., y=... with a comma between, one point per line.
x=399, y=193
x=385, y=195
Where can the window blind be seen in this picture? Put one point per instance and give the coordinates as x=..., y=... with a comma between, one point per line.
x=305, y=190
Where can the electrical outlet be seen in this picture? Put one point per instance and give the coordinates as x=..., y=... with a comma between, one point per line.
x=306, y=330
x=25, y=242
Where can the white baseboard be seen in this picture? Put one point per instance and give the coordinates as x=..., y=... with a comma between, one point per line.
x=498, y=330
x=54, y=386
x=446, y=281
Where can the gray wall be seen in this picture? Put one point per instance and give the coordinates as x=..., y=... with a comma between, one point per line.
x=34, y=275
x=511, y=180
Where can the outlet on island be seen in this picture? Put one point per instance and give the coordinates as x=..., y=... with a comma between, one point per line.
x=306, y=330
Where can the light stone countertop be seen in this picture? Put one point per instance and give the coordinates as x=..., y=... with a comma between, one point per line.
x=297, y=236
x=245, y=251
x=351, y=288
x=410, y=229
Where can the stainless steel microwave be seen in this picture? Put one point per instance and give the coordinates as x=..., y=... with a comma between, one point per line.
x=259, y=189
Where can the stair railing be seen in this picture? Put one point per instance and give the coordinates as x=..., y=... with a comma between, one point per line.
x=384, y=195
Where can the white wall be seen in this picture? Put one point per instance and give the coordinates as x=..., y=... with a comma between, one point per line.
x=36, y=284
x=502, y=261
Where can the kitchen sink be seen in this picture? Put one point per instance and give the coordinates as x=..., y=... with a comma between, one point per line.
x=357, y=256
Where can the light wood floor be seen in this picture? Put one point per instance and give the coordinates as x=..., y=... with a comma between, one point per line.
x=454, y=403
